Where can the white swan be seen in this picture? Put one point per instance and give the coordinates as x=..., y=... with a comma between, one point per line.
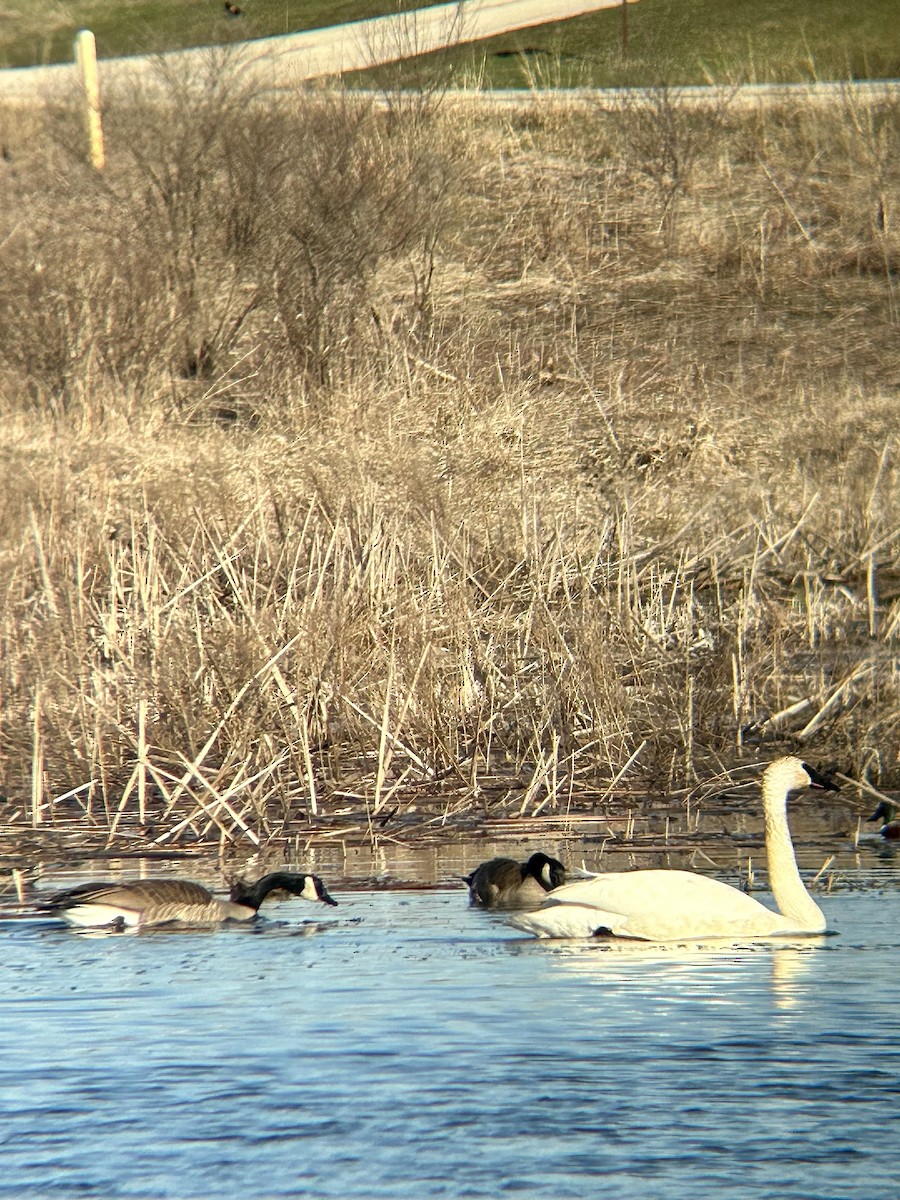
x=665, y=906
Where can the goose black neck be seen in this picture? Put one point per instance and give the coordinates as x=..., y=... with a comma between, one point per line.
x=549, y=872
x=253, y=894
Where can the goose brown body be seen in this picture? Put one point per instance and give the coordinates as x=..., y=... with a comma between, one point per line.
x=148, y=902
x=505, y=883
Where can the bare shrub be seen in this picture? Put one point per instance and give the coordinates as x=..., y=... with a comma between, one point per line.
x=663, y=136
x=536, y=503
x=362, y=193
x=230, y=239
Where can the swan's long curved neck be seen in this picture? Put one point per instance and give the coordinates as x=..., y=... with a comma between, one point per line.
x=793, y=900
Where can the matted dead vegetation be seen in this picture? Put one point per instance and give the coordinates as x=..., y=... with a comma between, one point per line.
x=373, y=467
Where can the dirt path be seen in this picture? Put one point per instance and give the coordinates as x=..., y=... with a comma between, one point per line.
x=386, y=39
x=285, y=61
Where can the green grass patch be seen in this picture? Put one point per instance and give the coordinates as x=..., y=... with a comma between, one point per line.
x=683, y=42
x=41, y=31
x=669, y=41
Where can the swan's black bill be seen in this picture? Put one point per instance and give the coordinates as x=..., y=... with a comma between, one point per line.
x=818, y=781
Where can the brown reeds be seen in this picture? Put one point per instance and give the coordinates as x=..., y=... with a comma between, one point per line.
x=373, y=470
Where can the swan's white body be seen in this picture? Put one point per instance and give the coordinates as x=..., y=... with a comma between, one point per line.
x=665, y=906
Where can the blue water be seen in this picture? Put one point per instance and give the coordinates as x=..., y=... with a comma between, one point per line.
x=412, y=1047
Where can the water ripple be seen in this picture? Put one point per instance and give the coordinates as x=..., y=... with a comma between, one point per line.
x=414, y=1048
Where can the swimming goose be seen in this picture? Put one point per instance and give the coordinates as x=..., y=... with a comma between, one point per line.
x=505, y=883
x=145, y=902
x=663, y=905
x=886, y=812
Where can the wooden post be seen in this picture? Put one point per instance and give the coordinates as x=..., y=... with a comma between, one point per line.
x=86, y=60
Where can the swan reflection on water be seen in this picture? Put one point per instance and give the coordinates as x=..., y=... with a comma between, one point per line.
x=714, y=967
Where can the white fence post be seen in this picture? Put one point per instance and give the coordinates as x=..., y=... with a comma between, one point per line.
x=86, y=59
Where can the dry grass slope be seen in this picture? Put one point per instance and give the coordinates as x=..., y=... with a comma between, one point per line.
x=380, y=467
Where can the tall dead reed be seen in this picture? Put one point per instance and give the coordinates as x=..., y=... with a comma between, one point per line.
x=377, y=467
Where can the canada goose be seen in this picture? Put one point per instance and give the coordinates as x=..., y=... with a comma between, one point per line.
x=144, y=902
x=886, y=812
x=663, y=905
x=505, y=883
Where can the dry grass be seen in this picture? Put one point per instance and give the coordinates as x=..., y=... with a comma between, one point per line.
x=371, y=468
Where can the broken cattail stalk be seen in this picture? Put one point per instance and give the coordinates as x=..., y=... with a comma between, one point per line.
x=624, y=771
x=308, y=764
x=824, y=867
x=862, y=786
x=142, y=761
x=872, y=595
x=835, y=699
x=37, y=763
